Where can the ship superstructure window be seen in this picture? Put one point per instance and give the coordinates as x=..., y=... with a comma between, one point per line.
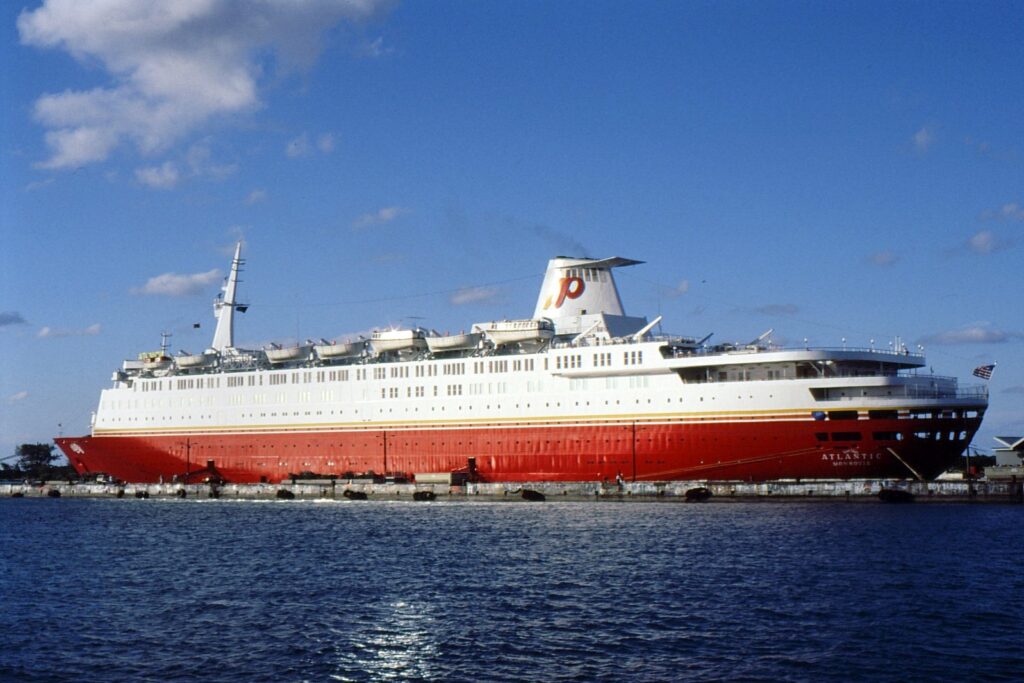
x=454, y=369
x=887, y=436
x=633, y=357
x=569, y=361
x=497, y=366
x=235, y=382
x=278, y=379
x=846, y=436
x=455, y=390
x=380, y=373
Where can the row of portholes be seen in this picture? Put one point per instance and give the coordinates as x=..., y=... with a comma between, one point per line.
x=389, y=410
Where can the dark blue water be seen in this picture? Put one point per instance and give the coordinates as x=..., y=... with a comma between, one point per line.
x=149, y=590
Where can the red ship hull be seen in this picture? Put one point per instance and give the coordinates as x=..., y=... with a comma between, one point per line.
x=757, y=449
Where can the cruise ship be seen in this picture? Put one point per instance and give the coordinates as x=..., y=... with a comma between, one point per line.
x=580, y=391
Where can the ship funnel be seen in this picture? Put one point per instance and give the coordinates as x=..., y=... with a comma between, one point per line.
x=576, y=287
x=225, y=304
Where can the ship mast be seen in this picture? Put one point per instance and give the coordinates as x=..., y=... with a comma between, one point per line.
x=224, y=307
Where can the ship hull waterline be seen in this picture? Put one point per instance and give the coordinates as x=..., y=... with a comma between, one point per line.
x=753, y=450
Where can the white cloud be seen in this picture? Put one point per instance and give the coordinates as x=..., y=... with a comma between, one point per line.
x=1012, y=211
x=325, y=143
x=883, y=258
x=473, y=295
x=374, y=49
x=199, y=161
x=303, y=147
x=173, y=284
x=299, y=147
x=256, y=196
x=171, y=66
x=20, y=396
x=674, y=292
x=162, y=177
x=983, y=242
x=979, y=333
x=39, y=184
x=49, y=332
x=380, y=217
x=987, y=242
x=924, y=138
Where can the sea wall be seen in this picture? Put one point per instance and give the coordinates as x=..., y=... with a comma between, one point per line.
x=679, y=491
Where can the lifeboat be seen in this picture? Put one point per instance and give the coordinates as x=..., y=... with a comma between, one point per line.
x=186, y=360
x=331, y=350
x=454, y=342
x=285, y=354
x=155, y=360
x=383, y=341
x=505, y=332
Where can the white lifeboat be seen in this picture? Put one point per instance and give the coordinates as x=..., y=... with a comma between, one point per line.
x=331, y=350
x=383, y=341
x=284, y=354
x=505, y=332
x=192, y=360
x=454, y=342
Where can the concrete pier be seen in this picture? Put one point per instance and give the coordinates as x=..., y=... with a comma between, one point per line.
x=866, y=491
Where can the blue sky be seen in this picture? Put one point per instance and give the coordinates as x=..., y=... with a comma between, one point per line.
x=829, y=170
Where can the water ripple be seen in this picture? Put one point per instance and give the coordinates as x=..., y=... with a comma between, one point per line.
x=467, y=591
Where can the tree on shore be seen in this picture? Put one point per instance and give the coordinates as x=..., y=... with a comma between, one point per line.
x=35, y=461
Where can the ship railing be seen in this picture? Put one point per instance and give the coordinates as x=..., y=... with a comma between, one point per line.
x=688, y=350
x=923, y=391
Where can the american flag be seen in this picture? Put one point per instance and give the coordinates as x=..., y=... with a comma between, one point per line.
x=984, y=371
